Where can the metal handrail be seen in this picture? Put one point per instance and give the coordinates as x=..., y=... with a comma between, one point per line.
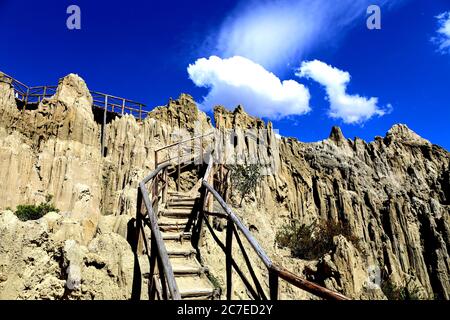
x=114, y=97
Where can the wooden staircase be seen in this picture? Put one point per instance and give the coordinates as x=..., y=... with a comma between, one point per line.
x=190, y=275
x=177, y=222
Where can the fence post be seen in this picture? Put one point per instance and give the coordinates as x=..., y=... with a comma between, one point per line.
x=210, y=199
x=26, y=99
x=273, y=284
x=166, y=185
x=104, y=126
x=179, y=167
x=156, y=181
x=201, y=149
x=134, y=240
x=162, y=277
x=123, y=106
x=151, y=278
x=164, y=190
x=138, y=243
x=229, y=250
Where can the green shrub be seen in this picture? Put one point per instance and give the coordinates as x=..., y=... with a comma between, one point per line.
x=406, y=292
x=311, y=242
x=33, y=212
x=245, y=178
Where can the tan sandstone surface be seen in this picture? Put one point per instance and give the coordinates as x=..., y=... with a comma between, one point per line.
x=393, y=193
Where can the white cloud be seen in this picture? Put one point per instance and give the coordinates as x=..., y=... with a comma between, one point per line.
x=443, y=33
x=350, y=108
x=238, y=80
x=275, y=32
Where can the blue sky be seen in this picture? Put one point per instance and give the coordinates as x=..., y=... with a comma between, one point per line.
x=305, y=64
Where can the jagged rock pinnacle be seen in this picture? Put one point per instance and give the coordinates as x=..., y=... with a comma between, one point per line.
x=239, y=109
x=401, y=132
x=336, y=135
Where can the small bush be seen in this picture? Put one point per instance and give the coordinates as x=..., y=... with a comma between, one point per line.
x=311, y=242
x=33, y=212
x=406, y=292
x=245, y=178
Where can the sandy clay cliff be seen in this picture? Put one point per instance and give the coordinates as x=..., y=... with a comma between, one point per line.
x=393, y=193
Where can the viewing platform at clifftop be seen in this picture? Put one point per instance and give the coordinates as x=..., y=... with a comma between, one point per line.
x=29, y=97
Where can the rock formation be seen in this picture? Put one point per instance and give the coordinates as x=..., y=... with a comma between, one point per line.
x=55, y=150
x=46, y=152
x=393, y=193
x=35, y=263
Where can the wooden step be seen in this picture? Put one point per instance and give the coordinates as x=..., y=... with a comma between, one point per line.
x=183, y=200
x=167, y=224
x=187, y=267
x=178, y=194
x=183, y=195
x=182, y=210
x=172, y=212
x=195, y=287
x=178, y=253
x=180, y=249
x=177, y=236
x=198, y=294
x=171, y=228
x=169, y=221
x=180, y=204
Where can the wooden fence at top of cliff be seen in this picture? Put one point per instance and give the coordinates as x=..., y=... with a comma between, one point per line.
x=109, y=103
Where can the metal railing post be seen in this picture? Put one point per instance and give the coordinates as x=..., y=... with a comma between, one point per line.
x=104, y=125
